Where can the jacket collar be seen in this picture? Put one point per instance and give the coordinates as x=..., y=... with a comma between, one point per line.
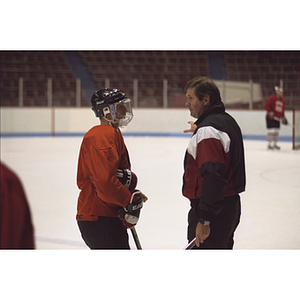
x=215, y=109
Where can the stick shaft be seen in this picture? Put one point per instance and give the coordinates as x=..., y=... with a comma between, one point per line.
x=190, y=245
x=136, y=238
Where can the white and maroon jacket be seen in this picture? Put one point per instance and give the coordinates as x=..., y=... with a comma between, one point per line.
x=214, y=166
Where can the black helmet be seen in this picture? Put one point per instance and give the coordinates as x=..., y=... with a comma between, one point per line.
x=105, y=103
x=102, y=98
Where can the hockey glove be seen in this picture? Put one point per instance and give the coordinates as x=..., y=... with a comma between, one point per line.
x=129, y=215
x=284, y=120
x=127, y=178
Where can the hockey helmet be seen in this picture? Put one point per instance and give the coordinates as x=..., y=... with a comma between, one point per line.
x=113, y=105
x=277, y=89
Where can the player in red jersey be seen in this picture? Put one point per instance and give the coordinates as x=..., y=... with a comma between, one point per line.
x=275, y=107
x=108, y=202
x=16, y=229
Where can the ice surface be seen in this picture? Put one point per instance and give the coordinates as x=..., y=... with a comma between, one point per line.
x=47, y=167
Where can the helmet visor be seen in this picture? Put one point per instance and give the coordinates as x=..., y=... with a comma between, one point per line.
x=119, y=113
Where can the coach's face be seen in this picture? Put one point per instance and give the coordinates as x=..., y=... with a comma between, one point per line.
x=196, y=107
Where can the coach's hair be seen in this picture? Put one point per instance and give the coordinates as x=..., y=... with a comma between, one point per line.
x=204, y=86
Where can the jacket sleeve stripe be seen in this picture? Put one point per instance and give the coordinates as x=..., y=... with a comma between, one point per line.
x=208, y=132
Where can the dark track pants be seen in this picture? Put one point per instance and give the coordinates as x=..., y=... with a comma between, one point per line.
x=106, y=233
x=222, y=227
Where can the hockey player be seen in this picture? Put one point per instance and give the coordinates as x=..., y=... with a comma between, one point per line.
x=108, y=202
x=16, y=227
x=275, y=107
x=214, y=168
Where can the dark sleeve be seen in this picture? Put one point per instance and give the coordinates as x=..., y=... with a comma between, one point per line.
x=211, y=159
x=214, y=186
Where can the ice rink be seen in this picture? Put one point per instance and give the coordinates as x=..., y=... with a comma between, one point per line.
x=65, y=268
x=47, y=167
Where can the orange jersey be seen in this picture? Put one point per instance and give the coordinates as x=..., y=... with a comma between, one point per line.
x=102, y=152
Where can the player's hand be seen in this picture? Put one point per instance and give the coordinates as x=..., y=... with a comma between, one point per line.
x=202, y=233
x=129, y=215
x=145, y=198
x=192, y=129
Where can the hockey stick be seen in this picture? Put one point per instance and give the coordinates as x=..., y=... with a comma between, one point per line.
x=190, y=245
x=136, y=238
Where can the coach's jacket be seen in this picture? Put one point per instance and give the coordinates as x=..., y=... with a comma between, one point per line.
x=214, y=166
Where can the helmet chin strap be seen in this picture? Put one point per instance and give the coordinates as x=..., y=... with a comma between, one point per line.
x=106, y=121
x=115, y=125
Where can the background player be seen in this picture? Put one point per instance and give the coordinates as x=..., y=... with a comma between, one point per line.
x=16, y=227
x=275, y=107
x=108, y=202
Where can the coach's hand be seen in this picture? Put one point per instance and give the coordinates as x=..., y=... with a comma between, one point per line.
x=202, y=233
x=192, y=129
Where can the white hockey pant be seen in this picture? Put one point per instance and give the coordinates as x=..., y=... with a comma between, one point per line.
x=272, y=135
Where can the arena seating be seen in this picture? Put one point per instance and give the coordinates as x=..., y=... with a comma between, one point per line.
x=268, y=68
x=149, y=67
x=35, y=67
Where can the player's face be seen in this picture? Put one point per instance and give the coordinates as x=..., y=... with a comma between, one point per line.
x=196, y=107
x=279, y=94
x=121, y=111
